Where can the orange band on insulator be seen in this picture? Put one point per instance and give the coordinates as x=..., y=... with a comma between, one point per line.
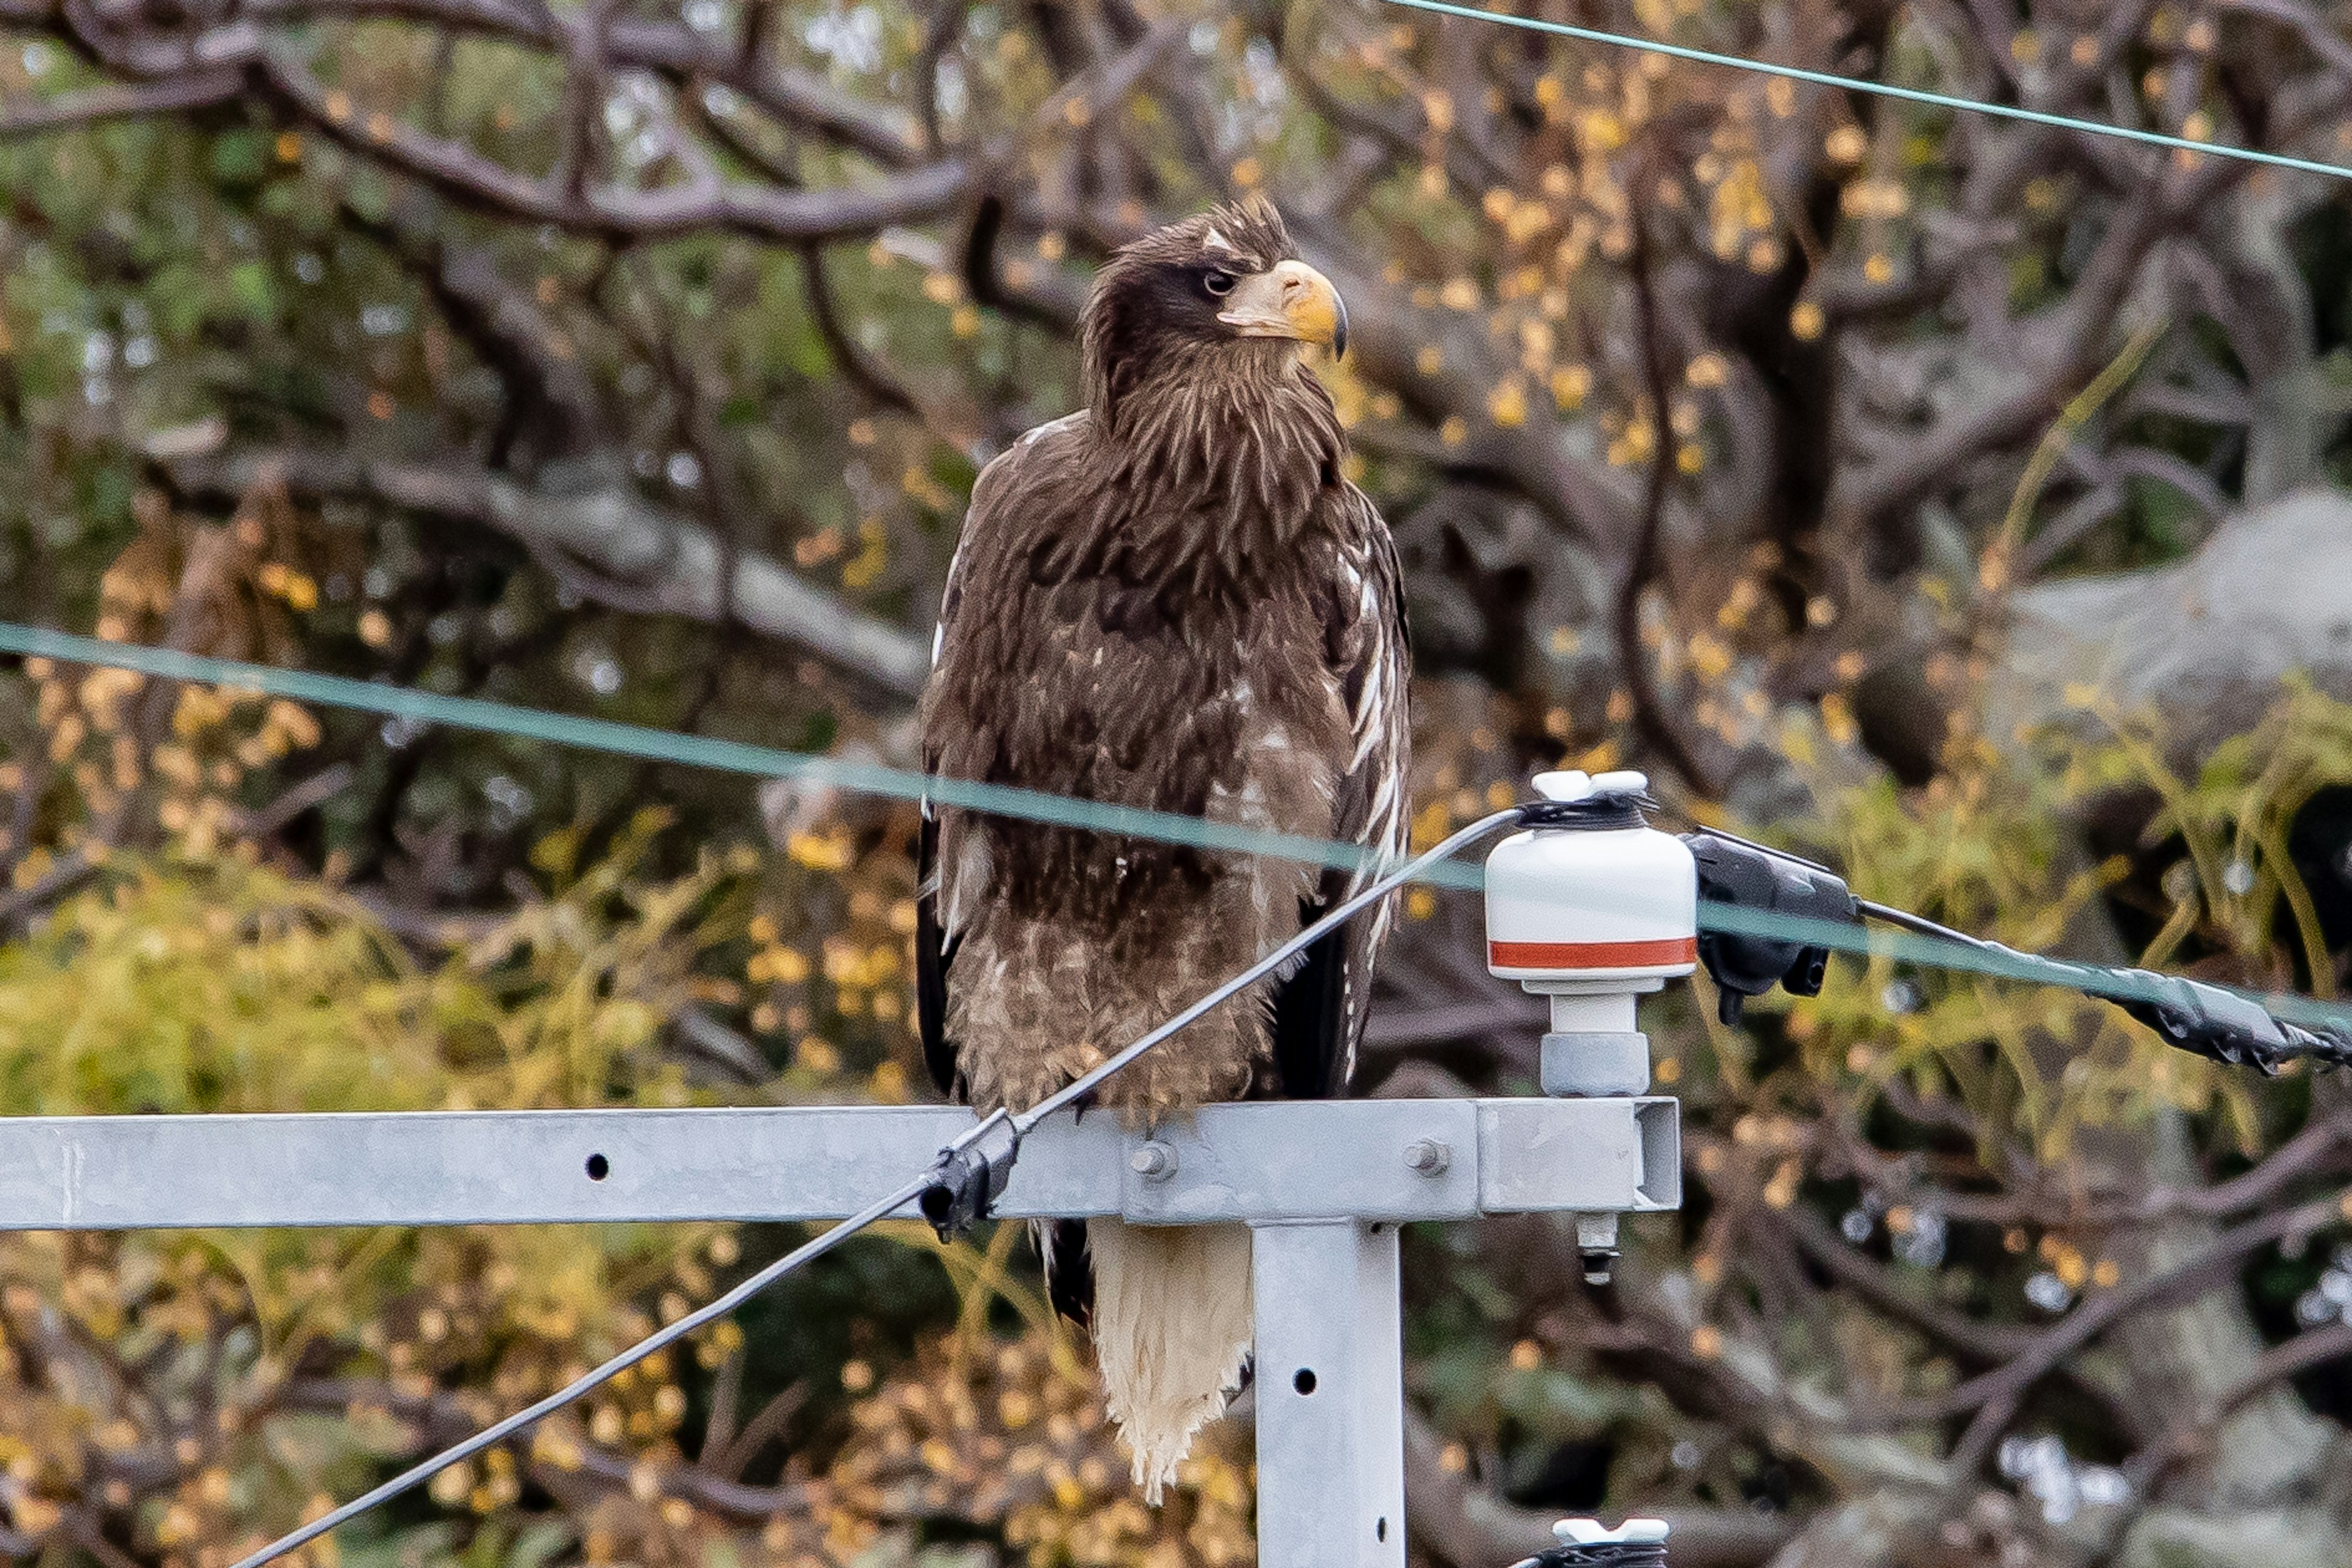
x=1591, y=954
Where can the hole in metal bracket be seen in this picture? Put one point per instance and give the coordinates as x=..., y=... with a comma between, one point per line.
x=1304, y=1380
x=1380, y=1531
x=599, y=1167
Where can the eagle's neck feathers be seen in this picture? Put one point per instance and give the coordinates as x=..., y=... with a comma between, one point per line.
x=1223, y=449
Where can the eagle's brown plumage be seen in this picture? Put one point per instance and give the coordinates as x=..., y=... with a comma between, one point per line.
x=1174, y=599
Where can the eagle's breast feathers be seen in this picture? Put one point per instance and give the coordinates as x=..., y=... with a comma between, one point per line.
x=1081, y=656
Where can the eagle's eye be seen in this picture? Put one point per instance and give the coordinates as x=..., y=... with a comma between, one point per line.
x=1218, y=283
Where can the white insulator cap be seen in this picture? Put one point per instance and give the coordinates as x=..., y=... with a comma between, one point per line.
x=1592, y=901
x=1588, y=1532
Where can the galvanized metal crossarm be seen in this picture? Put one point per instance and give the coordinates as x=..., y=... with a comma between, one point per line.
x=1390, y=1159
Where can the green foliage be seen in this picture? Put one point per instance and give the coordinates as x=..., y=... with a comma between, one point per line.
x=228, y=322
x=221, y=986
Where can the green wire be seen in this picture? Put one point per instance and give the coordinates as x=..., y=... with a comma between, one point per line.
x=1002, y=800
x=1883, y=89
x=701, y=750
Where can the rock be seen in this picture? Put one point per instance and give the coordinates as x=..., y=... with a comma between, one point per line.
x=2205, y=641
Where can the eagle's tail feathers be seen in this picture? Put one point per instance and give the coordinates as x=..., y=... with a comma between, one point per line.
x=1172, y=1324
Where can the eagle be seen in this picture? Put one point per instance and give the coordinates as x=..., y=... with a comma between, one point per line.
x=1174, y=599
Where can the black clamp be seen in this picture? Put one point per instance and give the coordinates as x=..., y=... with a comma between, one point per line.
x=970, y=1175
x=1603, y=808
x=1637, y=1543
x=2216, y=1023
x=1744, y=876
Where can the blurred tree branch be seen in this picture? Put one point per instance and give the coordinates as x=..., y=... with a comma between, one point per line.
x=644, y=558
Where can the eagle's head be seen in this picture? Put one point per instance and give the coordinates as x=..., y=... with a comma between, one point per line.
x=1221, y=290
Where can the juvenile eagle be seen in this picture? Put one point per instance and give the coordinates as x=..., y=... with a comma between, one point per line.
x=1173, y=599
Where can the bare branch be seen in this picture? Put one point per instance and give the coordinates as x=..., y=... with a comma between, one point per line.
x=854, y=365
x=441, y=1418
x=2149, y=1468
x=96, y=105
x=1994, y=1391
x=2318, y=32
x=664, y=561
x=474, y=180
x=1982, y=1343
x=315, y=790
x=1633, y=659
x=801, y=98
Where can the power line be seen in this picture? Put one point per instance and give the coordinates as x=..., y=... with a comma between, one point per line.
x=1883, y=89
x=699, y=751
x=1920, y=949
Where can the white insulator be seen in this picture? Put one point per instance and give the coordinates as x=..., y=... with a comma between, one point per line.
x=1592, y=909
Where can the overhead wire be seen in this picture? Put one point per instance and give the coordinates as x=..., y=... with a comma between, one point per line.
x=1920, y=949
x=1927, y=96
x=697, y=750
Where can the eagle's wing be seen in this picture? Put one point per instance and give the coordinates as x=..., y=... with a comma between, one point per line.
x=1014, y=474
x=1319, y=1011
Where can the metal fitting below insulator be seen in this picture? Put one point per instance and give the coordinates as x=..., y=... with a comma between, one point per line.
x=1590, y=1066
x=1596, y=1244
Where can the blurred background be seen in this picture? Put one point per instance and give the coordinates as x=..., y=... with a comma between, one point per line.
x=1957, y=501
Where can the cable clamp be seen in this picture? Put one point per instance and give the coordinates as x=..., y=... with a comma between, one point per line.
x=1733, y=872
x=970, y=1175
x=2206, y=1019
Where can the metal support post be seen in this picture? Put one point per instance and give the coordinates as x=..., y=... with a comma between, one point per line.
x=1330, y=1396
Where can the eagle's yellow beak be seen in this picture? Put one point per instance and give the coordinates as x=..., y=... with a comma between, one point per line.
x=1293, y=300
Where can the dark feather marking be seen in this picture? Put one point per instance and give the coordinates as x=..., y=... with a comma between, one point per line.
x=1069, y=1277
x=933, y=953
x=1310, y=1018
